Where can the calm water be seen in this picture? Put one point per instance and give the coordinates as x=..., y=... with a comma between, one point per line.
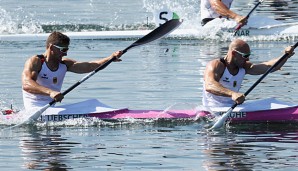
x=153, y=76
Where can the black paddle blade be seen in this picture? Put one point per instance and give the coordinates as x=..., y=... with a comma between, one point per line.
x=157, y=33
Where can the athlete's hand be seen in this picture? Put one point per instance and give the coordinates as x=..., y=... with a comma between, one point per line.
x=290, y=51
x=117, y=54
x=239, y=98
x=241, y=20
x=57, y=96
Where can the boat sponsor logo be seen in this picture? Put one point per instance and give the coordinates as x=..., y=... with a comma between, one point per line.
x=237, y=115
x=61, y=117
x=234, y=115
x=241, y=32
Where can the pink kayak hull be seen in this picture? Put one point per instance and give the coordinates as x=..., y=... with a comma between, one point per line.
x=274, y=115
x=126, y=114
x=266, y=110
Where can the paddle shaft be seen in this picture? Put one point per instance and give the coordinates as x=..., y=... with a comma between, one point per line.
x=254, y=8
x=223, y=118
x=247, y=16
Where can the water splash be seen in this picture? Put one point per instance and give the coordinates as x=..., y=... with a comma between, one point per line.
x=21, y=21
x=188, y=10
x=6, y=23
x=13, y=23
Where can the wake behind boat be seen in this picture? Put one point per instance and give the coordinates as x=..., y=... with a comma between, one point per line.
x=257, y=26
x=255, y=111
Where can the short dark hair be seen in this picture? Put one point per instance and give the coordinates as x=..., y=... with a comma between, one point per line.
x=57, y=38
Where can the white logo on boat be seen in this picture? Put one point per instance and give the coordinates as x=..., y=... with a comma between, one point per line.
x=235, y=114
x=61, y=117
x=241, y=32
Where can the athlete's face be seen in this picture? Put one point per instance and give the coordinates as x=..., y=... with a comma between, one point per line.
x=241, y=57
x=60, y=51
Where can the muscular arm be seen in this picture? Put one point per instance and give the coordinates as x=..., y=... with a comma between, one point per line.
x=29, y=77
x=85, y=67
x=223, y=10
x=212, y=75
x=213, y=72
x=261, y=68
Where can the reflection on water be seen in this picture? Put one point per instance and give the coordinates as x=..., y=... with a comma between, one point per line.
x=45, y=151
x=151, y=146
x=283, y=10
x=253, y=146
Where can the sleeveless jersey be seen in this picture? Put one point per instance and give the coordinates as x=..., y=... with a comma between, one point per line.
x=208, y=12
x=229, y=81
x=47, y=78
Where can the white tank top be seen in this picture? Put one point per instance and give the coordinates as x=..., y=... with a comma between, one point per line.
x=46, y=78
x=208, y=12
x=232, y=82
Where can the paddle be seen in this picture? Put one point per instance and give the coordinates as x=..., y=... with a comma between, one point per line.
x=247, y=16
x=219, y=123
x=157, y=33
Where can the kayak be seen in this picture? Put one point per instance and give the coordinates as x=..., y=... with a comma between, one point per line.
x=260, y=111
x=257, y=26
x=93, y=108
x=265, y=110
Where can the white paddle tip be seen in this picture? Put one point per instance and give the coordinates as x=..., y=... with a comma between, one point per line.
x=220, y=122
x=37, y=114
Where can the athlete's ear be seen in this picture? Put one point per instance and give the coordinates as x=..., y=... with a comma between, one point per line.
x=50, y=46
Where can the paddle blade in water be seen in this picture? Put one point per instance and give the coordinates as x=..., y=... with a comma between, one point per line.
x=31, y=118
x=220, y=122
x=37, y=114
